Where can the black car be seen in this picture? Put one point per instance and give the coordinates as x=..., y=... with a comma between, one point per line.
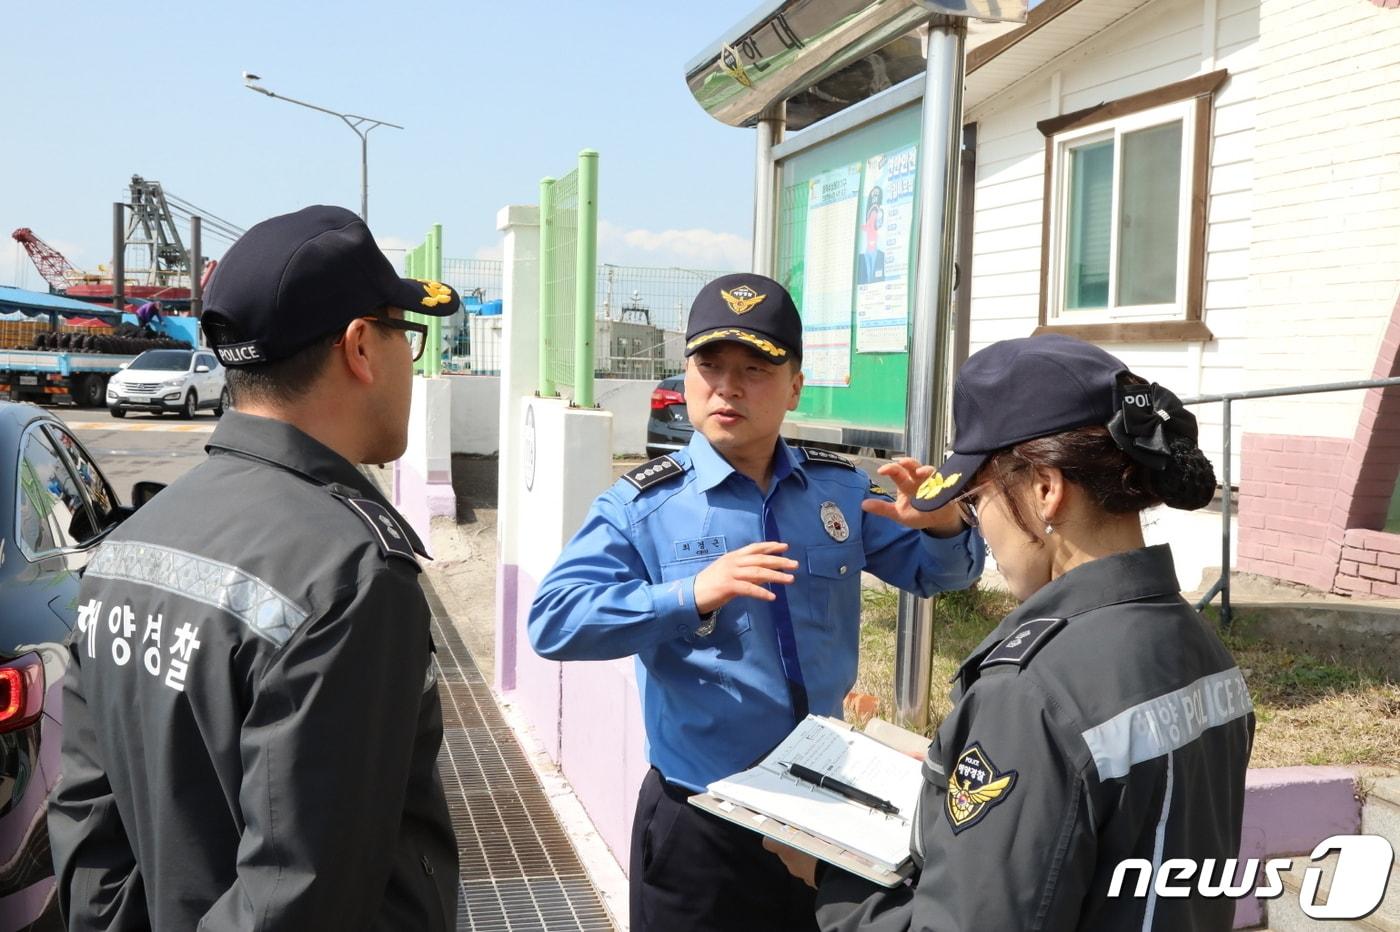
x=55, y=508
x=669, y=427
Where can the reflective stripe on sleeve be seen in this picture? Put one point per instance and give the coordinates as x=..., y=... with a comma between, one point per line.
x=266, y=612
x=1173, y=720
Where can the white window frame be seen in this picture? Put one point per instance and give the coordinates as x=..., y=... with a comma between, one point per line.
x=1063, y=143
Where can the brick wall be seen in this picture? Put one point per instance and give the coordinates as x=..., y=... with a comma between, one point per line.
x=1370, y=564
x=1286, y=507
x=1309, y=506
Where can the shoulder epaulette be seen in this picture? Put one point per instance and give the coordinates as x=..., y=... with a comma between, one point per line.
x=1023, y=643
x=652, y=473
x=393, y=540
x=818, y=455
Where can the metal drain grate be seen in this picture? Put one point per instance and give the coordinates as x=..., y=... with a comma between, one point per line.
x=519, y=869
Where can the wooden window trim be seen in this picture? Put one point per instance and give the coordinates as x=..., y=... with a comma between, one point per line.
x=1192, y=327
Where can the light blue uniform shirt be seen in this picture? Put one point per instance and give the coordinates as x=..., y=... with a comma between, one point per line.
x=625, y=584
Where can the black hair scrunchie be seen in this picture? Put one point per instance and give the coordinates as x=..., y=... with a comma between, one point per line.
x=1147, y=416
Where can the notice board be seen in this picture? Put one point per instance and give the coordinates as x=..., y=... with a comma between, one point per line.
x=847, y=240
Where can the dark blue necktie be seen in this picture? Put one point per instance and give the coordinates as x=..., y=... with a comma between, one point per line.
x=782, y=621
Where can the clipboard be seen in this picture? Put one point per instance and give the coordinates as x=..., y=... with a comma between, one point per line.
x=766, y=799
x=819, y=848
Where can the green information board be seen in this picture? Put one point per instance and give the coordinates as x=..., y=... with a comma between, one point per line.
x=852, y=198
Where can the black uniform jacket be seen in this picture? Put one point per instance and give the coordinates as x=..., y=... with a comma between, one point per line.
x=251, y=715
x=1103, y=720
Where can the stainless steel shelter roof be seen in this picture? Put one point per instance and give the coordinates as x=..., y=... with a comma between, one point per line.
x=833, y=52
x=762, y=47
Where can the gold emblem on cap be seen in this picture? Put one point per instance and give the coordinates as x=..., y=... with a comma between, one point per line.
x=772, y=349
x=742, y=299
x=935, y=484
x=438, y=293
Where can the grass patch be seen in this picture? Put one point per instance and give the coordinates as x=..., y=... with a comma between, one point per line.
x=1310, y=709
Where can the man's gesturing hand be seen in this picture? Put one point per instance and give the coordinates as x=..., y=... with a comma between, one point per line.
x=743, y=572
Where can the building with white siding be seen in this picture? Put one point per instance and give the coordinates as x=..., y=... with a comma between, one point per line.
x=1211, y=190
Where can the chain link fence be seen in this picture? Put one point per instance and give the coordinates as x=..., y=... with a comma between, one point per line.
x=561, y=262
x=472, y=336
x=640, y=329
x=639, y=332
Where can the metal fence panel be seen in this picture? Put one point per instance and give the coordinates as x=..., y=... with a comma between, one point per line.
x=561, y=261
x=639, y=333
x=472, y=336
x=641, y=315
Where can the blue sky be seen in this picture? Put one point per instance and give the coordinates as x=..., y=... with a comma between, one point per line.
x=492, y=97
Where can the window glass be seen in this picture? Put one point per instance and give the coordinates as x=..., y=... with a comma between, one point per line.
x=1149, y=215
x=37, y=531
x=162, y=361
x=99, y=493
x=1090, y=225
x=52, y=513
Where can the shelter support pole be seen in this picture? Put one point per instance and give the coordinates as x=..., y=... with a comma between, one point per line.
x=771, y=126
x=926, y=418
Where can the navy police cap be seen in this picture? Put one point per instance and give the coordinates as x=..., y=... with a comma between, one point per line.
x=752, y=310
x=1018, y=390
x=294, y=279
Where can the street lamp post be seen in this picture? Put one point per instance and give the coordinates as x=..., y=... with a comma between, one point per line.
x=361, y=125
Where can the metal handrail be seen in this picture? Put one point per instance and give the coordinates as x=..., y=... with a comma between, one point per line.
x=1222, y=584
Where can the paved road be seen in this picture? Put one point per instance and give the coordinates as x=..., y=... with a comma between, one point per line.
x=140, y=446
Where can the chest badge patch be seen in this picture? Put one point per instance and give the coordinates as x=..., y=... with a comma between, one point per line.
x=974, y=787
x=835, y=522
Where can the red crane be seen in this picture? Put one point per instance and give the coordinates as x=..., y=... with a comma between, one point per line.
x=55, y=269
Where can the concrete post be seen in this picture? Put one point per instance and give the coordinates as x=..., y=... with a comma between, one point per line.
x=520, y=374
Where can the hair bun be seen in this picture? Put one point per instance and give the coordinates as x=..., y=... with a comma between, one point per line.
x=1186, y=482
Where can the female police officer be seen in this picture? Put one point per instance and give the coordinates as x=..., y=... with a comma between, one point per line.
x=1102, y=721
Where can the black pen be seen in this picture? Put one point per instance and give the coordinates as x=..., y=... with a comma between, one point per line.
x=808, y=775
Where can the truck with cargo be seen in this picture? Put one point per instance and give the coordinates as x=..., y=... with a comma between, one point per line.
x=58, y=350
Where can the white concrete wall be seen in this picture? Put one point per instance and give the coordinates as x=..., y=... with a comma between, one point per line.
x=422, y=487
x=476, y=413
x=566, y=465
x=476, y=409
x=629, y=401
x=1325, y=255
x=1163, y=43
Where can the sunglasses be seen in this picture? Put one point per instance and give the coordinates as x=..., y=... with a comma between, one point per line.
x=967, y=503
x=415, y=333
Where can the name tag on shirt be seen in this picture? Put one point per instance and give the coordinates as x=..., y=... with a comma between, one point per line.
x=700, y=548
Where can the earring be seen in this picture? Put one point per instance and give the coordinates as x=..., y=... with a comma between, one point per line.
x=1049, y=529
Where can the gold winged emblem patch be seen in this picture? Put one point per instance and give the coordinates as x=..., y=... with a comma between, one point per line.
x=974, y=787
x=742, y=299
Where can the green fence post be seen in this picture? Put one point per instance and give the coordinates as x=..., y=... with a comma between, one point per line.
x=586, y=277
x=415, y=270
x=435, y=323
x=546, y=380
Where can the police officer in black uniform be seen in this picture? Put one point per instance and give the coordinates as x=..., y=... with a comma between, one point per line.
x=252, y=721
x=1102, y=721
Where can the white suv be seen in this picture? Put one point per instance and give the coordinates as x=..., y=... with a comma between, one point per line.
x=169, y=380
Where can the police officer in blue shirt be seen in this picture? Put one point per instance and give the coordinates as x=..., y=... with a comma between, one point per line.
x=731, y=570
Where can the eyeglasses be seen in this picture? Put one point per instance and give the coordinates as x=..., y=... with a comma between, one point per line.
x=415, y=333
x=967, y=504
